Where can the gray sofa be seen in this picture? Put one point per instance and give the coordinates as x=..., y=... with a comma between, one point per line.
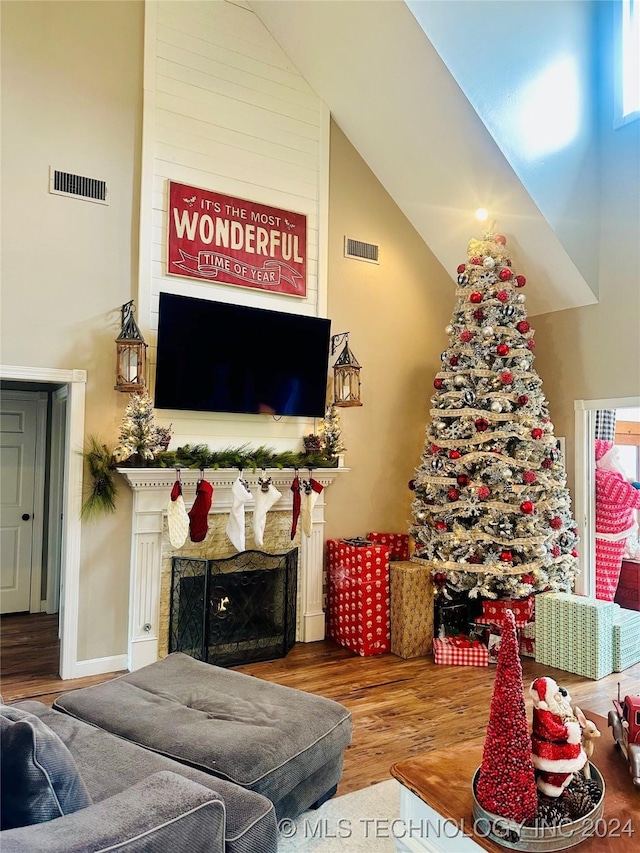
x=142, y=802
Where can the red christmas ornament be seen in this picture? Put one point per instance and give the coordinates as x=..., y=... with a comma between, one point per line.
x=537, y=433
x=523, y=400
x=547, y=463
x=500, y=239
x=462, y=480
x=412, y=485
x=502, y=295
x=475, y=297
x=453, y=494
x=502, y=349
x=454, y=454
x=520, y=281
x=556, y=522
x=529, y=477
x=505, y=275
x=528, y=579
x=523, y=327
x=438, y=383
x=526, y=507
x=481, y=424
x=555, y=551
x=441, y=525
x=461, y=268
x=474, y=558
x=440, y=579
x=477, y=260
x=453, y=360
x=531, y=344
x=506, y=556
x=478, y=314
x=435, y=448
x=506, y=377
x=465, y=336
x=484, y=492
x=574, y=553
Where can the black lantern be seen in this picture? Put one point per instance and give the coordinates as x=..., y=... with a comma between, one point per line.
x=131, y=354
x=346, y=374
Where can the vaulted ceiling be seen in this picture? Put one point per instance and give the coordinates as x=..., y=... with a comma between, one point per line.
x=393, y=96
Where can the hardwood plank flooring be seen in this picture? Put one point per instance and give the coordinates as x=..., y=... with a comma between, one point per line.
x=400, y=708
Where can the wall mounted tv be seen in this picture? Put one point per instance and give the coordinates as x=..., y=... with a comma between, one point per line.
x=216, y=357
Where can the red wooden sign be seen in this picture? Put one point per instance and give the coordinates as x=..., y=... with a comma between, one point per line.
x=216, y=237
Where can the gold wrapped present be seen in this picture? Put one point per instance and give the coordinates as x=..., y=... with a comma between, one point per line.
x=411, y=609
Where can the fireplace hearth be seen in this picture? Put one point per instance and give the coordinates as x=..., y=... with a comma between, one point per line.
x=241, y=609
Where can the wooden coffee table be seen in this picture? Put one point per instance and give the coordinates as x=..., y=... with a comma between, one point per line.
x=436, y=806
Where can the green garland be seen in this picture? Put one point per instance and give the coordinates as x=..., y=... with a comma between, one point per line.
x=244, y=457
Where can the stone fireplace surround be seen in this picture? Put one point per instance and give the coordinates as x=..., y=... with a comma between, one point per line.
x=151, y=551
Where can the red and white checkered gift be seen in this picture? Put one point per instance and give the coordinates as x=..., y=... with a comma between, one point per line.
x=493, y=611
x=398, y=544
x=358, y=597
x=447, y=653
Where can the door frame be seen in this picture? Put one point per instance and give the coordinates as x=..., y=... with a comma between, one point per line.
x=37, y=528
x=76, y=381
x=585, y=483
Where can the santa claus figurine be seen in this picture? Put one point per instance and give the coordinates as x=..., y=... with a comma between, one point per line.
x=557, y=751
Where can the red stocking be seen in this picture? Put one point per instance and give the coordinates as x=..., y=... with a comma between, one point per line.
x=295, y=488
x=199, y=512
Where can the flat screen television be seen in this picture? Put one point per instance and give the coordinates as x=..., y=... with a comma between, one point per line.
x=216, y=357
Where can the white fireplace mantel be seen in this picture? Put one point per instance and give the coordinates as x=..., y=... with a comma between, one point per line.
x=151, y=493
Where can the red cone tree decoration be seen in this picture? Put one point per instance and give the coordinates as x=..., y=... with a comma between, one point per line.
x=506, y=784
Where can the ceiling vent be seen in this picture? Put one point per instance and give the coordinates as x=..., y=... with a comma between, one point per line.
x=360, y=251
x=78, y=186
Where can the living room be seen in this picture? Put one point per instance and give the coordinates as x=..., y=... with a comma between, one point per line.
x=106, y=90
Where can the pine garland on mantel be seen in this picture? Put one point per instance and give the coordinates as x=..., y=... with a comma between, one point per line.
x=201, y=456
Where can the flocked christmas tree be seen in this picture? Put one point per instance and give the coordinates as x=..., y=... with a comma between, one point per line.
x=491, y=512
x=331, y=432
x=140, y=439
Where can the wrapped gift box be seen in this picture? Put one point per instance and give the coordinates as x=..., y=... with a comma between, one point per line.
x=411, y=609
x=493, y=611
x=358, y=596
x=398, y=544
x=527, y=639
x=626, y=639
x=575, y=633
x=446, y=652
x=452, y=617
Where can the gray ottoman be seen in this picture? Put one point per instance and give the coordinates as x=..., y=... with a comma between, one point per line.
x=283, y=743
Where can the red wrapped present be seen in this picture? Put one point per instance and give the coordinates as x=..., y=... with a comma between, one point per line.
x=447, y=652
x=358, y=596
x=398, y=544
x=493, y=611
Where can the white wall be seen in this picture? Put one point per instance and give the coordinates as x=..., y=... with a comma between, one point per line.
x=226, y=110
x=529, y=70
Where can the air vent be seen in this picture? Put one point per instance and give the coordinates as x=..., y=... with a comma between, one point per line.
x=78, y=186
x=360, y=251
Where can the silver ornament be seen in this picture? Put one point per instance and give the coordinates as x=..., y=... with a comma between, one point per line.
x=449, y=330
x=444, y=356
x=441, y=425
x=508, y=311
x=496, y=407
x=459, y=381
x=488, y=263
x=520, y=298
x=487, y=331
x=436, y=464
x=523, y=364
x=469, y=397
x=463, y=279
x=540, y=550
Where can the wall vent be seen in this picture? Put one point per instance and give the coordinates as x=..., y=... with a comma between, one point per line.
x=78, y=186
x=360, y=251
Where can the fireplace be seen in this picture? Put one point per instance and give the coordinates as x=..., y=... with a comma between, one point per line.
x=236, y=610
x=151, y=553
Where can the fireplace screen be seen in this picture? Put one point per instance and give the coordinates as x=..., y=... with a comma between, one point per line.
x=238, y=610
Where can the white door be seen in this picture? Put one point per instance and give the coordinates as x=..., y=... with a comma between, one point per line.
x=18, y=426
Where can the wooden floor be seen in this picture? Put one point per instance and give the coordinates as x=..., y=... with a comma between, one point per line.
x=399, y=708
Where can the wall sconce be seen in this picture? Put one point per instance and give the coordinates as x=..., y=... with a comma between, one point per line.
x=131, y=354
x=346, y=373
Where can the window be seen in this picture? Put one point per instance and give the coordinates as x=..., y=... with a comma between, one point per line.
x=627, y=61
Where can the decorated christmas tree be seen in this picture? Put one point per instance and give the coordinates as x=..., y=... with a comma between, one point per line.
x=506, y=783
x=331, y=433
x=491, y=512
x=139, y=437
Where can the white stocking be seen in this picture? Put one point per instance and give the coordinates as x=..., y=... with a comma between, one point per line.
x=265, y=499
x=235, y=525
x=310, y=492
x=177, y=517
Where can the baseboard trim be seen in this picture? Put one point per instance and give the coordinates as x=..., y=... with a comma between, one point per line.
x=99, y=666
